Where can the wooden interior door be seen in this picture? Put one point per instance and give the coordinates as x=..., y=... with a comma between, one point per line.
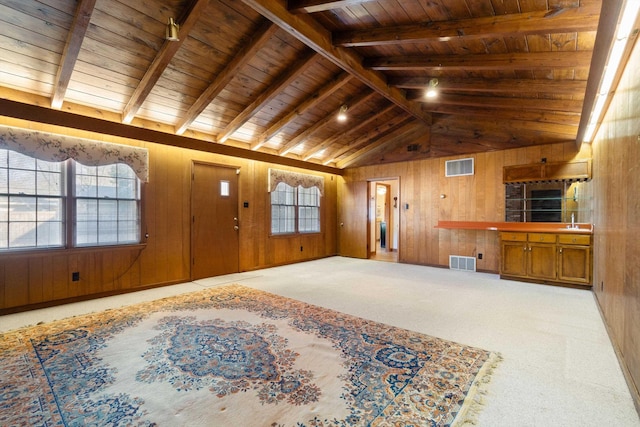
x=214, y=221
x=352, y=222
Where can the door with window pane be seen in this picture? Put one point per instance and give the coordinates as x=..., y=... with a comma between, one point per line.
x=214, y=221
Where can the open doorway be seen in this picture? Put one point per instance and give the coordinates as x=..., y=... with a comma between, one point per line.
x=384, y=219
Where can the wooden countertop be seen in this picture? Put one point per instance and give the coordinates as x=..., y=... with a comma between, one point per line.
x=536, y=227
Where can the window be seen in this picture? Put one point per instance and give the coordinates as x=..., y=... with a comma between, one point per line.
x=308, y=210
x=107, y=205
x=31, y=202
x=295, y=209
x=35, y=212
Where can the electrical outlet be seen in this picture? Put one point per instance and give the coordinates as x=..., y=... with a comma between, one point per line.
x=75, y=276
x=479, y=256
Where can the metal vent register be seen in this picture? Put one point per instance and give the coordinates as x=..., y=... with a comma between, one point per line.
x=465, y=263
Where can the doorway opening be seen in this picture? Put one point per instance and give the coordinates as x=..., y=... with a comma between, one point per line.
x=384, y=220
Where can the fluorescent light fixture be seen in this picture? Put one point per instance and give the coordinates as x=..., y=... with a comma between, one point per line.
x=628, y=18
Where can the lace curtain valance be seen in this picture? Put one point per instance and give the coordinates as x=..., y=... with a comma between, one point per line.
x=57, y=148
x=294, y=179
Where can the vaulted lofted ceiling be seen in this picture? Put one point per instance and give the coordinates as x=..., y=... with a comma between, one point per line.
x=270, y=76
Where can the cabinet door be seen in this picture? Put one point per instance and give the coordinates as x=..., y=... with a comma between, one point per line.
x=514, y=259
x=542, y=261
x=574, y=264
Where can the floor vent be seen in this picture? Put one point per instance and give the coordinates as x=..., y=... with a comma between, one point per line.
x=465, y=263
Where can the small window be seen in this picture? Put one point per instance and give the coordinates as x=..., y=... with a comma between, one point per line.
x=295, y=209
x=224, y=189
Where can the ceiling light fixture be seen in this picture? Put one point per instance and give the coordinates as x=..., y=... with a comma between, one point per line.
x=431, y=90
x=625, y=27
x=342, y=114
x=172, y=31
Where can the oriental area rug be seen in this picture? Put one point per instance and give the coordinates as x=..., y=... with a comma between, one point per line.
x=235, y=356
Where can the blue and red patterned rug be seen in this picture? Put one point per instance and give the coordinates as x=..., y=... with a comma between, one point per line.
x=237, y=356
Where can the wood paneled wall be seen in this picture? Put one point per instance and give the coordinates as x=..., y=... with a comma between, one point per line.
x=33, y=278
x=616, y=179
x=432, y=197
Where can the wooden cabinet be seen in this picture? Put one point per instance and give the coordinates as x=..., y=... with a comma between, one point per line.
x=547, y=257
x=574, y=258
x=576, y=170
x=514, y=254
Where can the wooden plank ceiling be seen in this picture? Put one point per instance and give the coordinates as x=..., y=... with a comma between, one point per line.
x=270, y=76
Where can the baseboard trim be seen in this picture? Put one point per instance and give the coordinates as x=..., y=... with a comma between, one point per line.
x=633, y=387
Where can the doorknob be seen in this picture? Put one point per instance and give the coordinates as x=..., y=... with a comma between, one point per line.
x=235, y=227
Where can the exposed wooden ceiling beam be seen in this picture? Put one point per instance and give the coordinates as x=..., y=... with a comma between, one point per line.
x=496, y=142
x=370, y=135
x=246, y=53
x=44, y=115
x=362, y=124
x=273, y=90
x=565, y=87
x=448, y=145
x=532, y=104
x=301, y=137
x=505, y=114
x=311, y=6
x=72, y=50
x=478, y=126
x=316, y=98
x=565, y=20
x=485, y=62
x=166, y=53
x=317, y=37
x=397, y=136
x=417, y=134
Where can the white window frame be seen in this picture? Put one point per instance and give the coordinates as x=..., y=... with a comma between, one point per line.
x=68, y=205
x=287, y=206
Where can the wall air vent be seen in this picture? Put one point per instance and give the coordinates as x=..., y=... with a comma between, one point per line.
x=464, y=263
x=459, y=167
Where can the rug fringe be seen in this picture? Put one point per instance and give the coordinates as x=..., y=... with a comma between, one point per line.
x=475, y=401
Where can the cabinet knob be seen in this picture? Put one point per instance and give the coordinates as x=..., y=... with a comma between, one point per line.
x=560, y=250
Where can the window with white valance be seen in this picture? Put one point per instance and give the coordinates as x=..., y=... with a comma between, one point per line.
x=295, y=202
x=57, y=148
x=294, y=179
x=58, y=191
